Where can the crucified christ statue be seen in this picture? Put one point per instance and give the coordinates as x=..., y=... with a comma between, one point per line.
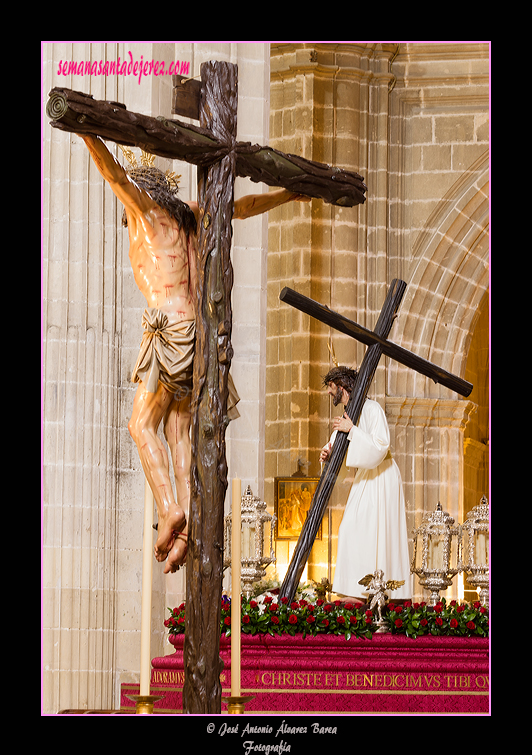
x=162, y=251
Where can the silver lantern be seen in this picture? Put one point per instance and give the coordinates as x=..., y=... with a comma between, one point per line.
x=255, y=525
x=436, y=558
x=475, y=549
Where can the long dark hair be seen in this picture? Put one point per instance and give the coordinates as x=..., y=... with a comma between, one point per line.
x=345, y=377
x=153, y=182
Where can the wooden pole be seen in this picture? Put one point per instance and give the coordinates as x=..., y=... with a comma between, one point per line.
x=202, y=691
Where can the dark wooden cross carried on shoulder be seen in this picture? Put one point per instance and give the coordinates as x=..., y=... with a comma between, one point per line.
x=213, y=148
x=377, y=345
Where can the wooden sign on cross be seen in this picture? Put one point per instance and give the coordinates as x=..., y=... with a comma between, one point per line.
x=213, y=148
x=377, y=345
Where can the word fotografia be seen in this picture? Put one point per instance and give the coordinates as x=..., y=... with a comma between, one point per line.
x=278, y=749
x=119, y=67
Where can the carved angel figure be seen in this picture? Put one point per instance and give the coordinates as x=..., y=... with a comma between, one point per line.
x=376, y=584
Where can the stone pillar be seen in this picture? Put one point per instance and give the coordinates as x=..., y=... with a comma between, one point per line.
x=81, y=330
x=245, y=438
x=427, y=438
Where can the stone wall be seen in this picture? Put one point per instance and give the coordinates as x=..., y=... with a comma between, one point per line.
x=413, y=120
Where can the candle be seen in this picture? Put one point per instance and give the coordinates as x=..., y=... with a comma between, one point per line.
x=246, y=547
x=481, y=554
x=145, y=617
x=235, y=589
x=435, y=553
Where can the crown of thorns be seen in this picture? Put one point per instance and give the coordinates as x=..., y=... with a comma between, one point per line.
x=341, y=375
x=146, y=170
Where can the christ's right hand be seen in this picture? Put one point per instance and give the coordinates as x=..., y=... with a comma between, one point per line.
x=325, y=452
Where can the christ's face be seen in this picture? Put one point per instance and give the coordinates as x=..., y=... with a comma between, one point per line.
x=337, y=393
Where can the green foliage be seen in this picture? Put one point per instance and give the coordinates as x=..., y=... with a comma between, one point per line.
x=450, y=620
x=305, y=617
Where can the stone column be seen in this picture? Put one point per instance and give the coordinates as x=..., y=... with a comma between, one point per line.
x=81, y=331
x=245, y=438
x=427, y=438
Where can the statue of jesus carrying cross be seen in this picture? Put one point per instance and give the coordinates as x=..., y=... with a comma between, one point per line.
x=162, y=250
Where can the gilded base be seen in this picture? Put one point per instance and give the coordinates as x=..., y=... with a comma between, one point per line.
x=144, y=703
x=236, y=704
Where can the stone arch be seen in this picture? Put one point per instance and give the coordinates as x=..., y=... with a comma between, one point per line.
x=450, y=275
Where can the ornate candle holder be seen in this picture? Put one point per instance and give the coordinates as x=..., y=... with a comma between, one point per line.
x=254, y=520
x=475, y=549
x=436, y=545
x=237, y=705
x=144, y=703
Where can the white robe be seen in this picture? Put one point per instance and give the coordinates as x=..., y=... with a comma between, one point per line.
x=373, y=532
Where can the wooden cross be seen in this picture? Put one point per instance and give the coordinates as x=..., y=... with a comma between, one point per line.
x=377, y=345
x=213, y=148
x=202, y=145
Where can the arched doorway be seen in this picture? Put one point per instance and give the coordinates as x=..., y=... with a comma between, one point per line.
x=444, y=319
x=476, y=435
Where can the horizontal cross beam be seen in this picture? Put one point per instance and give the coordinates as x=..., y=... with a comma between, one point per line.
x=80, y=113
x=370, y=338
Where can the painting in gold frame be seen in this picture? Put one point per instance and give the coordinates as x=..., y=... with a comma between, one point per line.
x=293, y=496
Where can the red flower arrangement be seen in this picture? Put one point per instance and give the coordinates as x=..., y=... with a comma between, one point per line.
x=306, y=618
x=452, y=620
x=298, y=617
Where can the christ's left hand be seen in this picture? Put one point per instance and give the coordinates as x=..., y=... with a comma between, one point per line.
x=343, y=424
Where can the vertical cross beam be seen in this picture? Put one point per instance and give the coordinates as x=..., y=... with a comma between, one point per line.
x=203, y=665
x=332, y=467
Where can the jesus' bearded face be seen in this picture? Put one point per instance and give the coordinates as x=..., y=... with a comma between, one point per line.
x=336, y=392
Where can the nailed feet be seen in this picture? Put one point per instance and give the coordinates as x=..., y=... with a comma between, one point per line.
x=168, y=528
